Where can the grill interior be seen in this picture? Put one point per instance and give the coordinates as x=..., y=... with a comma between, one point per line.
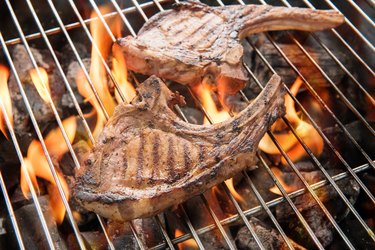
x=343, y=114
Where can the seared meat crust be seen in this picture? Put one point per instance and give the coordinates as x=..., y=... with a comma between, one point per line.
x=194, y=42
x=147, y=158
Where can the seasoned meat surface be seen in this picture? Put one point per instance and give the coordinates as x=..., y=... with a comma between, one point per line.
x=147, y=159
x=194, y=42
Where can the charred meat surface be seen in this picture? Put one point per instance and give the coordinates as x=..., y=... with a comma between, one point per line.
x=194, y=42
x=147, y=159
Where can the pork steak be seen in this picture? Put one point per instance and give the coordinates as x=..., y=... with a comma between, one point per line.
x=193, y=42
x=147, y=159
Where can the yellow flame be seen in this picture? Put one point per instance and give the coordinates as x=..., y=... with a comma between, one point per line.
x=5, y=98
x=187, y=244
x=41, y=83
x=287, y=140
x=37, y=166
x=120, y=74
x=204, y=95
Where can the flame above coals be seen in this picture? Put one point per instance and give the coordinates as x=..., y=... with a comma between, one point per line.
x=204, y=94
x=187, y=244
x=39, y=77
x=36, y=164
x=5, y=98
x=286, y=139
x=98, y=73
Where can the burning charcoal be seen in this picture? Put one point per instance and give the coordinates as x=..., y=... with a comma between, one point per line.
x=93, y=240
x=31, y=228
x=350, y=153
x=312, y=213
x=148, y=231
x=121, y=235
x=269, y=237
x=71, y=76
x=200, y=218
x=42, y=111
x=298, y=58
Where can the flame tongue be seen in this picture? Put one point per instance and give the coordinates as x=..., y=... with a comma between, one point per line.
x=287, y=140
x=41, y=82
x=37, y=166
x=5, y=98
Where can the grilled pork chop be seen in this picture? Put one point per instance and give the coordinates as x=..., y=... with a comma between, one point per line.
x=194, y=42
x=147, y=159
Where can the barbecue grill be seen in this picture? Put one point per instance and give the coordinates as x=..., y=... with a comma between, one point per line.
x=354, y=39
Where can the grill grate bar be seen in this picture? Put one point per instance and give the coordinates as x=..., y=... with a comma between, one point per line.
x=334, y=150
x=19, y=153
x=191, y=227
x=241, y=214
x=95, y=46
x=323, y=104
x=285, y=195
x=39, y=134
x=343, y=41
x=140, y=10
x=164, y=232
x=270, y=204
x=342, y=196
x=10, y=207
x=74, y=25
x=348, y=22
x=318, y=164
x=217, y=222
x=291, y=164
x=268, y=211
x=327, y=175
x=338, y=91
x=318, y=40
x=363, y=14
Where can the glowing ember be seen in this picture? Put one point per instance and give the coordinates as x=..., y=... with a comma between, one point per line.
x=120, y=73
x=187, y=244
x=279, y=175
x=37, y=166
x=41, y=82
x=5, y=98
x=287, y=140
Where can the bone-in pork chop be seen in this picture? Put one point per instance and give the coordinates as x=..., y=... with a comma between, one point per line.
x=147, y=159
x=194, y=42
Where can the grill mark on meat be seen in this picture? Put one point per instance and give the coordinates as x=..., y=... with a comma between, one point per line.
x=187, y=31
x=155, y=155
x=140, y=158
x=191, y=161
x=201, y=153
x=208, y=34
x=205, y=31
x=171, y=158
x=187, y=156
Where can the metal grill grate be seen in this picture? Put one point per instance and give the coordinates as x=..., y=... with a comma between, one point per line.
x=241, y=216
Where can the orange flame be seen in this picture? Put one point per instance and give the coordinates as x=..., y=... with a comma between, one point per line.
x=41, y=82
x=5, y=98
x=279, y=175
x=120, y=74
x=204, y=95
x=37, y=166
x=287, y=140
x=187, y=244
x=98, y=73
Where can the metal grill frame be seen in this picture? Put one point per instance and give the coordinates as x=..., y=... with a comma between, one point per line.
x=241, y=215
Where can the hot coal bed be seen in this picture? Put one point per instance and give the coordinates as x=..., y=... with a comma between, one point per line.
x=323, y=159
